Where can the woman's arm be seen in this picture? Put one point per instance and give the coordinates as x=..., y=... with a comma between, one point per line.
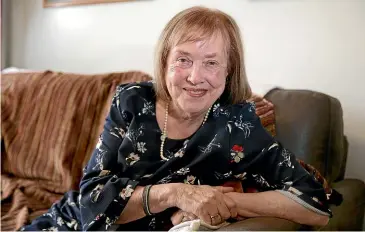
x=161, y=197
x=275, y=204
x=196, y=200
x=300, y=197
x=106, y=187
x=269, y=204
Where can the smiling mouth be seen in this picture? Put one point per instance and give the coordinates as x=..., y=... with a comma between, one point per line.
x=195, y=92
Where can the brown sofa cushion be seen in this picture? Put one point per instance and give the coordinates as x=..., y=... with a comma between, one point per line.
x=319, y=137
x=265, y=110
x=50, y=123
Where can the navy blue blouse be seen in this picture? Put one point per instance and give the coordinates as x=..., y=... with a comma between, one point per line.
x=231, y=145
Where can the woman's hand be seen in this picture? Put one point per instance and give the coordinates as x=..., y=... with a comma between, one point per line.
x=210, y=204
x=182, y=216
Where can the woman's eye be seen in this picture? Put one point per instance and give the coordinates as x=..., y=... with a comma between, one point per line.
x=212, y=63
x=183, y=60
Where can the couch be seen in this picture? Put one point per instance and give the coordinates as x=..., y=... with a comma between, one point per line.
x=50, y=123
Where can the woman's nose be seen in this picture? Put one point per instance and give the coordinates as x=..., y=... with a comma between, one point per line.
x=196, y=75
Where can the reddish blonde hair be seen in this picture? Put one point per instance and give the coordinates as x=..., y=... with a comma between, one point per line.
x=197, y=23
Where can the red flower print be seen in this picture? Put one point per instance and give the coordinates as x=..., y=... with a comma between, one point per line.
x=237, y=148
x=237, y=153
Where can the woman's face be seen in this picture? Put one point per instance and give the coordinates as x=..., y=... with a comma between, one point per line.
x=196, y=74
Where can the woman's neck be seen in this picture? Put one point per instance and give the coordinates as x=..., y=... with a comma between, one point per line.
x=181, y=116
x=180, y=125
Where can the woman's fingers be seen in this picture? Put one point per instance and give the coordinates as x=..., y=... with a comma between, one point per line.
x=223, y=211
x=206, y=211
x=177, y=217
x=231, y=206
x=226, y=204
x=182, y=216
x=205, y=202
x=190, y=216
x=206, y=218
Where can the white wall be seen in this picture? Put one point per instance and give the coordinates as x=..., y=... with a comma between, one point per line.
x=318, y=45
x=5, y=14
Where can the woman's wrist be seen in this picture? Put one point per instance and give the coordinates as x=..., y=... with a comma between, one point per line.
x=163, y=196
x=172, y=194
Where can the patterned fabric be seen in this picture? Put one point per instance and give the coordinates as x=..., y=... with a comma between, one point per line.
x=50, y=123
x=333, y=197
x=127, y=155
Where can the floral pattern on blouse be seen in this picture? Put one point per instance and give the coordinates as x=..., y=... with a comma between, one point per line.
x=237, y=153
x=232, y=144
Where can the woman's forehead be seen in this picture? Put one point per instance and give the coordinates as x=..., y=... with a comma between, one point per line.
x=210, y=46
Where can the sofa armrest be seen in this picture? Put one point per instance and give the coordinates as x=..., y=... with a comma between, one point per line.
x=350, y=214
x=263, y=223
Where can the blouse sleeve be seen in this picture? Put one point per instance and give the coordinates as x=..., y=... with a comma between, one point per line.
x=104, y=188
x=271, y=164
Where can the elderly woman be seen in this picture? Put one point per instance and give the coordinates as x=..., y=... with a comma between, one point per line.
x=170, y=145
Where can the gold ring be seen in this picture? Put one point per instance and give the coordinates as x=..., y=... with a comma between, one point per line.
x=214, y=216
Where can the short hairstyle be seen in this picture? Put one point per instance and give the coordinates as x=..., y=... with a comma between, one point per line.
x=197, y=23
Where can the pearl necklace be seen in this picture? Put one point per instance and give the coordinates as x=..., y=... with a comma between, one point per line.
x=164, y=133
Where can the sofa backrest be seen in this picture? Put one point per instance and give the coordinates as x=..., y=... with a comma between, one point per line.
x=310, y=124
x=51, y=121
